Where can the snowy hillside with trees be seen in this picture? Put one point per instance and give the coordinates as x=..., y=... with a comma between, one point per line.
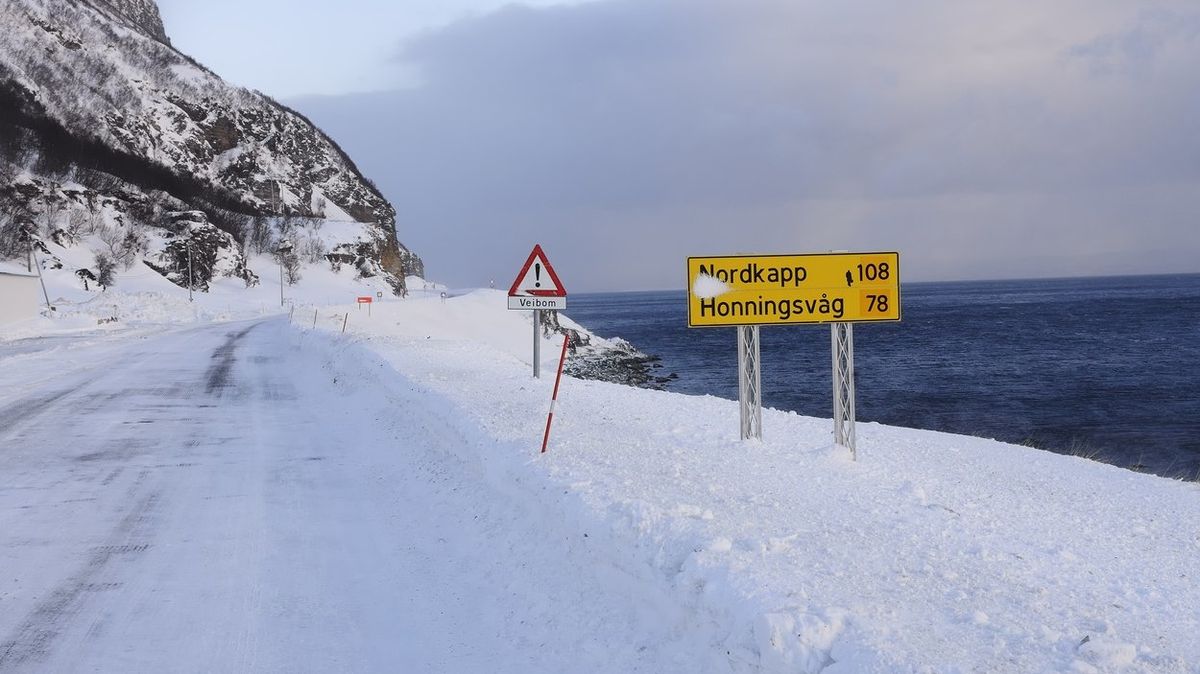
x=115, y=142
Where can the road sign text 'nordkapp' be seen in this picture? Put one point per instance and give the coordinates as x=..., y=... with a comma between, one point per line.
x=793, y=289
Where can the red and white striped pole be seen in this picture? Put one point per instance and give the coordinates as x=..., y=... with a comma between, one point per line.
x=554, y=398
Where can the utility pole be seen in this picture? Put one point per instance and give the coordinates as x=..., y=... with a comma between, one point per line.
x=190, y=282
x=41, y=280
x=273, y=189
x=27, y=232
x=283, y=249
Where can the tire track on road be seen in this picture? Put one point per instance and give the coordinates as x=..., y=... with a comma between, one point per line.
x=34, y=637
x=217, y=376
x=113, y=434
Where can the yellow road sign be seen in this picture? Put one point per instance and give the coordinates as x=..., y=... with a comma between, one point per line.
x=793, y=289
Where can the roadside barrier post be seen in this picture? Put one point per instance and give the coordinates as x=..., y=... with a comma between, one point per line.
x=562, y=358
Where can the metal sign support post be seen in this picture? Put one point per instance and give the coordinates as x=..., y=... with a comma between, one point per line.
x=842, y=336
x=749, y=382
x=537, y=344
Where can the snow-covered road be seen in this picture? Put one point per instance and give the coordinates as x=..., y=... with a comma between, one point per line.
x=245, y=497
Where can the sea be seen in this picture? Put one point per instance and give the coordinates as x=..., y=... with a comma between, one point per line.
x=1107, y=368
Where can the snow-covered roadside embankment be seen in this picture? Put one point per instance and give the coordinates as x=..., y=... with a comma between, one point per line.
x=933, y=551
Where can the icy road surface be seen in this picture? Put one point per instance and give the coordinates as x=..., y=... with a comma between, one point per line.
x=232, y=498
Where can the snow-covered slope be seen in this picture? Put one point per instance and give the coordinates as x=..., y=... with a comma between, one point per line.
x=93, y=96
x=932, y=553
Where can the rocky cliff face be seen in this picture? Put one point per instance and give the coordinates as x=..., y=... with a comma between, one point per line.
x=140, y=14
x=93, y=95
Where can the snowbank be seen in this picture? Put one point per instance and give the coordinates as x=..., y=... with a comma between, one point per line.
x=933, y=552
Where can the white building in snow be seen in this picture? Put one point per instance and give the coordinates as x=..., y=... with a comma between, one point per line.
x=20, y=296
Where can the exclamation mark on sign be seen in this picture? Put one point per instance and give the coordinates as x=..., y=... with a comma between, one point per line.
x=537, y=274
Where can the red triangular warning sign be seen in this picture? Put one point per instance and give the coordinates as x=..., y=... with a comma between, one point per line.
x=537, y=278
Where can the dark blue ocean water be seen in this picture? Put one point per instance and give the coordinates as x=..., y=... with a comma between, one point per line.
x=1106, y=367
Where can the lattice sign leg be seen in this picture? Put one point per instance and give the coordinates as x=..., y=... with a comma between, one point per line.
x=749, y=382
x=843, y=387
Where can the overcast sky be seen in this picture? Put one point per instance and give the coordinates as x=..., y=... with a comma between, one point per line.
x=979, y=139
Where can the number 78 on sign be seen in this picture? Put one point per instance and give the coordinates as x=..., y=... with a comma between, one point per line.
x=793, y=289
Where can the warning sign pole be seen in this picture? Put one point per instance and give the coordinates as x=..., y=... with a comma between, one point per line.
x=537, y=345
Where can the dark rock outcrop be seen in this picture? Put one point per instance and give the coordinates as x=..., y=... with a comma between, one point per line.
x=140, y=14
x=615, y=361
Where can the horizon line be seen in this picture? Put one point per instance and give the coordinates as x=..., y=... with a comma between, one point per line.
x=967, y=280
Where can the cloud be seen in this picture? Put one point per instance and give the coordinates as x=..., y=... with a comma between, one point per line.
x=979, y=139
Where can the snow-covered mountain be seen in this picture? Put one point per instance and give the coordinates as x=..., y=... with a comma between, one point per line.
x=113, y=140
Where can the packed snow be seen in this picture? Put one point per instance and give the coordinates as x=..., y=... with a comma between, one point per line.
x=432, y=536
x=707, y=287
